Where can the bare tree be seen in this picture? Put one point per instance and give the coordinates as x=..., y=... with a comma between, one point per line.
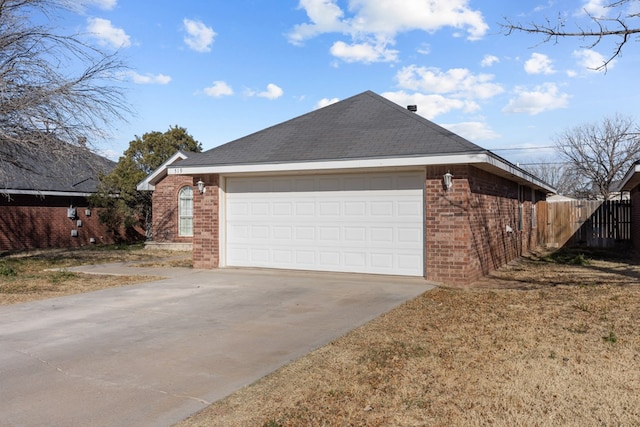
x=624, y=26
x=561, y=176
x=55, y=89
x=601, y=153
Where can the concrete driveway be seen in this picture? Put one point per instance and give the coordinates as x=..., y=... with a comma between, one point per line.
x=155, y=353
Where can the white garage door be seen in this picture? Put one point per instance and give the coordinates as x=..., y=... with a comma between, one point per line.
x=361, y=223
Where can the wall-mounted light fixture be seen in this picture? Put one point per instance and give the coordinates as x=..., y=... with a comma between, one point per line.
x=447, y=180
x=201, y=186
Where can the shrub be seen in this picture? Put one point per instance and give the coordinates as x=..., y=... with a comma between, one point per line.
x=7, y=270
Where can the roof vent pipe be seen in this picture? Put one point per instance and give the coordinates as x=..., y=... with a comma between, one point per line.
x=412, y=108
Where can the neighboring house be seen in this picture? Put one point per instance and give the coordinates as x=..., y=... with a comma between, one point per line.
x=43, y=201
x=631, y=184
x=362, y=186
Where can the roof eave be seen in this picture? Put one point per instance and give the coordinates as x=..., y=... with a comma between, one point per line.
x=149, y=183
x=631, y=179
x=42, y=193
x=483, y=160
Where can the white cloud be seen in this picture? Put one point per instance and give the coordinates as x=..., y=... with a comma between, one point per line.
x=109, y=154
x=325, y=17
x=424, y=49
x=473, y=131
x=595, y=8
x=489, y=60
x=460, y=82
x=541, y=7
x=219, y=89
x=103, y=4
x=430, y=106
x=591, y=59
x=107, y=34
x=199, y=37
x=148, y=78
x=363, y=52
x=543, y=98
x=539, y=64
x=273, y=92
x=325, y=102
x=393, y=16
x=383, y=20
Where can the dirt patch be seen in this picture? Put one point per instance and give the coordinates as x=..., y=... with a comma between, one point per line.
x=544, y=341
x=37, y=275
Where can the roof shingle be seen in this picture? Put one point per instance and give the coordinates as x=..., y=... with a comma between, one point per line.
x=364, y=126
x=62, y=168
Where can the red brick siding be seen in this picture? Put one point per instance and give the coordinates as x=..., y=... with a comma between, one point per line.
x=32, y=222
x=206, y=225
x=466, y=232
x=165, y=208
x=466, y=227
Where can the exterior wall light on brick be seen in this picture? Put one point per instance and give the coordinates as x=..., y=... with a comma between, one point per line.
x=201, y=187
x=447, y=180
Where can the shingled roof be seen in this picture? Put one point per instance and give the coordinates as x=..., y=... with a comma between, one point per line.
x=362, y=132
x=364, y=126
x=61, y=169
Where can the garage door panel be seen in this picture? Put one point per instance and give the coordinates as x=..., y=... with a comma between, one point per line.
x=381, y=234
x=282, y=233
x=329, y=209
x=382, y=209
x=282, y=209
x=305, y=208
x=305, y=233
x=409, y=208
x=366, y=223
x=329, y=234
x=329, y=259
x=282, y=256
x=305, y=258
x=355, y=209
x=382, y=260
x=409, y=235
x=355, y=234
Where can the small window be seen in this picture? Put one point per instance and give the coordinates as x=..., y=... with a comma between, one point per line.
x=185, y=212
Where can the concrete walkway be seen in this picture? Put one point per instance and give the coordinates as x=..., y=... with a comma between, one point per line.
x=152, y=354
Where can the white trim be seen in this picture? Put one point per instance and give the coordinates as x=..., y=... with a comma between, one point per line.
x=46, y=193
x=632, y=171
x=453, y=159
x=222, y=222
x=148, y=184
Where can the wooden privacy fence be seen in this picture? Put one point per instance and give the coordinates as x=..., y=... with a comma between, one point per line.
x=592, y=223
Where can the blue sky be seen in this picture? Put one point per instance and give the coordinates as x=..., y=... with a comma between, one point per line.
x=224, y=69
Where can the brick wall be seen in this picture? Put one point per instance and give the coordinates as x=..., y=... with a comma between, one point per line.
x=472, y=229
x=206, y=227
x=32, y=222
x=165, y=208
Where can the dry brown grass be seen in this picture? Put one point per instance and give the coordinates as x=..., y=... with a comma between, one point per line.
x=37, y=275
x=539, y=343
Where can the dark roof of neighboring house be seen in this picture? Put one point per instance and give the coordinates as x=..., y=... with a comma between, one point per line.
x=64, y=168
x=364, y=126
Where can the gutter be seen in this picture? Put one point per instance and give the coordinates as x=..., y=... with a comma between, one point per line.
x=483, y=158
